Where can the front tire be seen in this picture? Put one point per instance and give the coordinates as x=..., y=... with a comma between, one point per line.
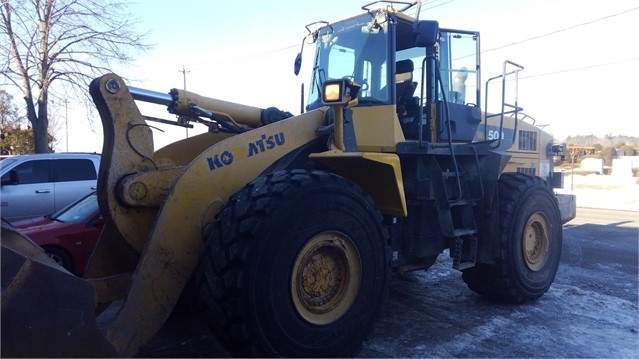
x=530, y=242
x=296, y=265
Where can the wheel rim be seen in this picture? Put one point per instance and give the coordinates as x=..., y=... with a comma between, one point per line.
x=326, y=278
x=536, y=242
x=56, y=258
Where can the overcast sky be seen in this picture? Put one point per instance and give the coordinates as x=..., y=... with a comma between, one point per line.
x=581, y=58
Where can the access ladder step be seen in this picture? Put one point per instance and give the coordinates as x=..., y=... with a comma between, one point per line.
x=460, y=232
x=462, y=202
x=464, y=251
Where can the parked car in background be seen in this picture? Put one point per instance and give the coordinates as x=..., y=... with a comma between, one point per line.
x=68, y=236
x=40, y=184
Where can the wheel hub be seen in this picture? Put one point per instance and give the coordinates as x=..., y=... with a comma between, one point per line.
x=326, y=278
x=56, y=258
x=322, y=276
x=536, y=242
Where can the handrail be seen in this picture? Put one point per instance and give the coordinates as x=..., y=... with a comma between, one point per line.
x=515, y=107
x=407, y=5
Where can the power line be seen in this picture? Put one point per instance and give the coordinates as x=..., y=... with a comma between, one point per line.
x=580, y=68
x=434, y=6
x=575, y=69
x=228, y=61
x=434, y=3
x=289, y=47
x=564, y=29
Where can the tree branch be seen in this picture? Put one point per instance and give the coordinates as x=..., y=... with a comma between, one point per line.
x=66, y=41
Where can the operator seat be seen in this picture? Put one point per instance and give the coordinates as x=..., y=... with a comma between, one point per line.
x=404, y=85
x=407, y=105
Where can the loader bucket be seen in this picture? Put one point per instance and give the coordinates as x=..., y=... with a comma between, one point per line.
x=45, y=310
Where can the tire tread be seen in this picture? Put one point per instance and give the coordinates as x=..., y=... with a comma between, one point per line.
x=497, y=281
x=221, y=282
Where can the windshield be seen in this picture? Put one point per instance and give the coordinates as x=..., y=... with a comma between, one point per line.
x=79, y=211
x=357, y=49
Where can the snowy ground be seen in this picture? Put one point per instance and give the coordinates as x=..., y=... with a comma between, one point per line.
x=591, y=310
x=432, y=314
x=602, y=191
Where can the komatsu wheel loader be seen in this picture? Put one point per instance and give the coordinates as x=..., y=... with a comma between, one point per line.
x=288, y=227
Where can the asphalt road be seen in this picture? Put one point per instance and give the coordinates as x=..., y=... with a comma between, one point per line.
x=591, y=311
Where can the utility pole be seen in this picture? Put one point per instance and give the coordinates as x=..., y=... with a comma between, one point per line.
x=66, y=120
x=183, y=71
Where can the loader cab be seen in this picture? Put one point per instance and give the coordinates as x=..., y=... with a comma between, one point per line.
x=408, y=84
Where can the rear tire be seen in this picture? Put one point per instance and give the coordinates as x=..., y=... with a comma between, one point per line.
x=296, y=265
x=530, y=243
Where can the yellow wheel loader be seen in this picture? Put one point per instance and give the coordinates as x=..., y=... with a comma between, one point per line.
x=287, y=228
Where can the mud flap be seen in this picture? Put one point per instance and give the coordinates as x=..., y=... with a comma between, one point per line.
x=46, y=311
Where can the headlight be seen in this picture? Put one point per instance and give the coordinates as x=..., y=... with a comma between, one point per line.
x=333, y=92
x=339, y=92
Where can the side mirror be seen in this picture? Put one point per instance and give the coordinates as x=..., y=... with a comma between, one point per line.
x=298, y=64
x=12, y=180
x=426, y=33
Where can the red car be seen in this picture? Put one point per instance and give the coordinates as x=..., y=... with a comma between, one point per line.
x=69, y=235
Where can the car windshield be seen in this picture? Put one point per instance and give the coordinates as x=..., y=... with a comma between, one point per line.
x=79, y=211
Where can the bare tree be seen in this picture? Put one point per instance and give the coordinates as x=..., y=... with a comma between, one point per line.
x=54, y=48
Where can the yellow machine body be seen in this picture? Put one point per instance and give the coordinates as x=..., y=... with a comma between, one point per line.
x=154, y=206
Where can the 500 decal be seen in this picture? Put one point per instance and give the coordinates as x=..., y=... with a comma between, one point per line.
x=493, y=133
x=265, y=143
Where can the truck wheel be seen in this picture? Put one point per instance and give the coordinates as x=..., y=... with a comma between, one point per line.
x=530, y=242
x=295, y=265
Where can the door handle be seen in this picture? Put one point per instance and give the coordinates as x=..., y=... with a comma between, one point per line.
x=43, y=191
x=94, y=187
